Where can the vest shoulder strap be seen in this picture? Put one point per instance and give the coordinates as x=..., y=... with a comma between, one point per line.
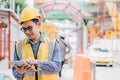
x=51, y=47
x=18, y=49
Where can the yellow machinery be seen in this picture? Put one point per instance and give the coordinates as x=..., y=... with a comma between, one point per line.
x=94, y=32
x=49, y=30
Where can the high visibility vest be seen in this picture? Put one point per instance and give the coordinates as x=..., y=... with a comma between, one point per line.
x=25, y=52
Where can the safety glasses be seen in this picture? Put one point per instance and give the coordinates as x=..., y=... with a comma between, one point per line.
x=29, y=28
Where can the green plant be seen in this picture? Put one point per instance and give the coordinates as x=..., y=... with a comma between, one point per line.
x=21, y=3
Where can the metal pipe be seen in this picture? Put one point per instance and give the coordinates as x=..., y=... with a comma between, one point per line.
x=0, y=41
x=9, y=39
x=4, y=42
x=85, y=39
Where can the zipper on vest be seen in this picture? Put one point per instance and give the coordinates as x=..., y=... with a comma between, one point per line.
x=35, y=56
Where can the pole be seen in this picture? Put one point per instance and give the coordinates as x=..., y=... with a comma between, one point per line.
x=85, y=39
x=4, y=41
x=0, y=41
x=9, y=39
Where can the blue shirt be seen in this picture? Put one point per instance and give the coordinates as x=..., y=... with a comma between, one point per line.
x=53, y=65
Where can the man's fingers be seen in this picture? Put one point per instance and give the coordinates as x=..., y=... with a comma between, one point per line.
x=16, y=67
x=27, y=67
x=24, y=68
x=31, y=61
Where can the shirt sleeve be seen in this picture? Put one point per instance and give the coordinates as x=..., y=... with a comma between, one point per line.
x=14, y=71
x=54, y=65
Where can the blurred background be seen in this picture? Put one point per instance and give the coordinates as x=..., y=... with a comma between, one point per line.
x=92, y=27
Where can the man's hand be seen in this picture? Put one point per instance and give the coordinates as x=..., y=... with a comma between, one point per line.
x=31, y=61
x=23, y=69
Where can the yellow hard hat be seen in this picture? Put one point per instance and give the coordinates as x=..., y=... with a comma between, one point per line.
x=29, y=13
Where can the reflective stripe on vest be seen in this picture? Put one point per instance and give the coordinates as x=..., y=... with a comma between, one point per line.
x=20, y=50
x=51, y=46
x=32, y=73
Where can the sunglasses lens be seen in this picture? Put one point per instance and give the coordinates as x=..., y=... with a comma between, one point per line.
x=28, y=28
x=22, y=29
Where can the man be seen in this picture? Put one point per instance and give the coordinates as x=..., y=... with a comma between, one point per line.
x=35, y=50
x=64, y=49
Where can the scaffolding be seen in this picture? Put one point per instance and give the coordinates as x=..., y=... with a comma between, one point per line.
x=9, y=32
x=101, y=16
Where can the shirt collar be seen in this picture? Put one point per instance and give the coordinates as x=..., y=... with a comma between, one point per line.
x=41, y=39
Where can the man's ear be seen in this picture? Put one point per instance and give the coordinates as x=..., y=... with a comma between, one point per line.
x=39, y=24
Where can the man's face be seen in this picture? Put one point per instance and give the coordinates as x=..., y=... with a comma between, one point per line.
x=30, y=29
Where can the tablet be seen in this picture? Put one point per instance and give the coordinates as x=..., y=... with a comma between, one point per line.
x=20, y=63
